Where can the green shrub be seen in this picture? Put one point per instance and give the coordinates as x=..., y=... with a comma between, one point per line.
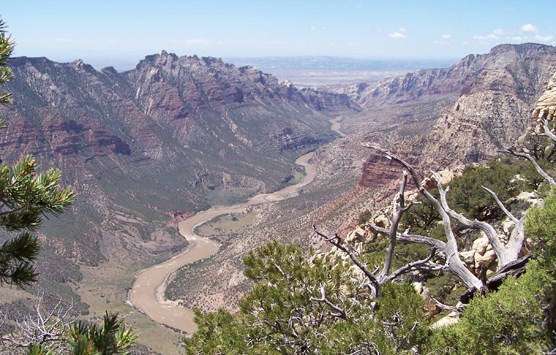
x=509, y=321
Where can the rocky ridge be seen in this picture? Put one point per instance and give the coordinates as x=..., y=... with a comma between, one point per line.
x=492, y=97
x=479, y=257
x=546, y=105
x=168, y=138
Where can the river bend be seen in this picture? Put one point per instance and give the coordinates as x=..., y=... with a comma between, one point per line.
x=147, y=292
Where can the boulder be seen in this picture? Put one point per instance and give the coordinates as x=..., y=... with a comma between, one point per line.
x=450, y=319
x=468, y=257
x=357, y=235
x=480, y=244
x=484, y=261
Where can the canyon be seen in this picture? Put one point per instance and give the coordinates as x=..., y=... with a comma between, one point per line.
x=147, y=293
x=149, y=148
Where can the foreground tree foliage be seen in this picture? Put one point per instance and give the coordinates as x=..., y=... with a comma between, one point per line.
x=110, y=337
x=347, y=302
x=509, y=321
x=310, y=304
x=79, y=338
x=26, y=197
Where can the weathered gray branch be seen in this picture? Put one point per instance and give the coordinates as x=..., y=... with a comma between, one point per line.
x=340, y=312
x=540, y=170
x=415, y=265
x=501, y=205
x=43, y=327
x=503, y=254
x=398, y=209
x=411, y=238
x=517, y=236
x=515, y=268
x=337, y=242
x=444, y=307
x=547, y=132
x=454, y=263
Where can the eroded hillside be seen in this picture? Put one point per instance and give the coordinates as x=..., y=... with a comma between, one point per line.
x=145, y=148
x=486, y=99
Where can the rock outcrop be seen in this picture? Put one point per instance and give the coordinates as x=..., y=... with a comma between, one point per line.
x=495, y=95
x=496, y=108
x=546, y=105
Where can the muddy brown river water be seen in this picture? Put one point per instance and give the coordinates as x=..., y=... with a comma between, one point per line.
x=147, y=293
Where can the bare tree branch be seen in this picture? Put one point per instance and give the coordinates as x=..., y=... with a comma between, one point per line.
x=517, y=237
x=445, y=307
x=516, y=267
x=337, y=242
x=43, y=327
x=547, y=132
x=453, y=261
x=540, y=170
x=411, y=238
x=398, y=209
x=503, y=254
x=501, y=205
x=414, y=265
x=341, y=313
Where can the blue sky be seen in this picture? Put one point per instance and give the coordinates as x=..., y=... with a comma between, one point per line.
x=127, y=30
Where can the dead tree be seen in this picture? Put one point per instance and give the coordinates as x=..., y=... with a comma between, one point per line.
x=399, y=207
x=525, y=154
x=42, y=327
x=507, y=253
x=448, y=248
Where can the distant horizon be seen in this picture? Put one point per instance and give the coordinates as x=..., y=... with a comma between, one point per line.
x=128, y=64
x=125, y=31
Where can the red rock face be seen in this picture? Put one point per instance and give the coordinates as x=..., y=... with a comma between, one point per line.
x=165, y=137
x=378, y=171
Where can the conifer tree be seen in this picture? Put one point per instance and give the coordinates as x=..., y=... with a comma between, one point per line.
x=25, y=197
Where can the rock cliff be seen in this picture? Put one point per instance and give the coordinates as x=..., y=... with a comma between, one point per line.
x=172, y=136
x=546, y=105
x=488, y=103
x=495, y=109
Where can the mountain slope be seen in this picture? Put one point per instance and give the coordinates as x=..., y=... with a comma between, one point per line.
x=173, y=136
x=483, y=104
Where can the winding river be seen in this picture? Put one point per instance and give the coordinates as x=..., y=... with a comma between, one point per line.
x=147, y=293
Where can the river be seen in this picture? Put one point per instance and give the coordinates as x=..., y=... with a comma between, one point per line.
x=147, y=292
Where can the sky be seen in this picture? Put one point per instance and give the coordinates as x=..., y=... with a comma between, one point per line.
x=114, y=32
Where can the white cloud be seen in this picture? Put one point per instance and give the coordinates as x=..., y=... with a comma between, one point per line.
x=529, y=28
x=397, y=35
x=197, y=41
x=488, y=37
x=544, y=38
x=65, y=40
x=401, y=33
x=446, y=36
x=527, y=32
x=517, y=38
x=315, y=28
